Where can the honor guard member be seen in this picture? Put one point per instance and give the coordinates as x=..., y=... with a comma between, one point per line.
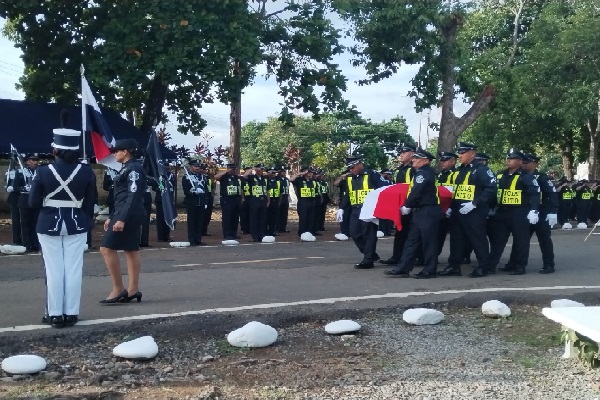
x=583, y=202
x=13, y=200
x=360, y=182
x=151, y=184
x=343, y=217
x=386, y=225
x=28, y=214
x=244, y=210
x=108, y=185
x=284, y=201
x=423, y=202
x=518, y=202
x=259, y=202
x=403, y=174
x=566, y=196
x=446, y=161
x=305, y=188
x=210, y=200
x=547, y=214
x=230, y=185
x=322, y=203
x=274, y=189
x=595, y=211
x=195, y=186
x=475, y=188
x=64, y=193
x=163, y=231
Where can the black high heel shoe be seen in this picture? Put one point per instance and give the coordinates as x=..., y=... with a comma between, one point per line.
x=117, y=299
x=136, y=295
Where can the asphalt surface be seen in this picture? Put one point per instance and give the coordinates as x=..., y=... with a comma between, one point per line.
x=200, y=278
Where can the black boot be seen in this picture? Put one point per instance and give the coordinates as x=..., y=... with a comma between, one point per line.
x=57, y=322
x=389, y=261
x=397, y=273
x=507, y=268
x=517, y=271
x=478, y=273
x=547, y=270
x=450, y=271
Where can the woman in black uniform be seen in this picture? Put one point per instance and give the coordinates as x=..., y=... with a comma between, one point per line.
x=123, y=227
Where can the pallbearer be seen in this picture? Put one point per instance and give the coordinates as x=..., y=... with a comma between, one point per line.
x=231, y=200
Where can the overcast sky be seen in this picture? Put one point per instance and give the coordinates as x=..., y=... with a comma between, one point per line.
x=378, y=102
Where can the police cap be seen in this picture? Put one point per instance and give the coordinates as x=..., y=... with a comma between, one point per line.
x=515, y=154
x=125, y=144
x=531, y=157
x=352, y=161
x=446, y=155
x=260, y=166
x=422, y=153
x=482, y=156
x=463, y=147
x=404, y=147
x=32, y=156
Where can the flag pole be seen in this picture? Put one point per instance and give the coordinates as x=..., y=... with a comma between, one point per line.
x=83, y=116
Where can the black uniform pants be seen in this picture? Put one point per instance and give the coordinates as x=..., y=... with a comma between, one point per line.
x=306, y=215
x=423, y=234
x=15, y=222
x=443, y=229
x=145, y=233
x=400, y=237
x=230, y=209
x=283, y=210
x=595, y=209
x=29, y=217
x=543, y=232
x=345, y=224
x=163, y=232
x=564, y=211
x=272, y=216
x=511, y=220
x=468, y=229
x=385, y=226
x=208, y=213
x=195, y=222
x=583, y=210
x=321, y=210
x=364, y=235
x=244, y=222
x=257, y=217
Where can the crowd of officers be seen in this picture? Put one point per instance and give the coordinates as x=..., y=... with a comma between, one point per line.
x=486, y=209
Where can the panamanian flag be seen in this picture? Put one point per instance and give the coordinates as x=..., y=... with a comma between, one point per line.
x=94, y=122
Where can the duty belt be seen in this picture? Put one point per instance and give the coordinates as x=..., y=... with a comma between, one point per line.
x=61, y=203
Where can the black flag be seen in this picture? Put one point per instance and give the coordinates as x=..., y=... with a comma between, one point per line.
x=155, y=170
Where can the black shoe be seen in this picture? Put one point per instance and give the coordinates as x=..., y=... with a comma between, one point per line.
x=477, y=273
x=285, y=231
x=45, y=319
x=322, y=229
x=70, y=320
x=145, y=245
x=491, y=271
x=192, y=244
x=365, y=265
x=201, y=243
x=389, y=261
x=547, y=270
x=137, y=296
x=419, y=262
x=450, y=271
x=377, y=258
x=117, y=299
x=57, y=322
x=397, y=273
x=507, y=268
x=466, y=261
x=517, y=271
x=206, y=234
x=237, y=237
x=317, y=234
x=256, y=240
x=424, y=275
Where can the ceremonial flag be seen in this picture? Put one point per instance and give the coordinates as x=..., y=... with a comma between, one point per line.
x=155, y=170
x=94, y=122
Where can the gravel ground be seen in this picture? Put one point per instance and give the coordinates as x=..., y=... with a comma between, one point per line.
x=465, y=357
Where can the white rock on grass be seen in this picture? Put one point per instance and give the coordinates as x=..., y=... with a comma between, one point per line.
x=380, y=234
x=253, y=334
x=230, y=242
x=23, y=364
x=268, y=239
x=495, y=309
x=422, y=316
x=582, y=225
x=567, y=225
x=342, y=326
x=565, y=303
x=307, y=237
x=179, y=244
x=141, y=348
x=341, y=237
x=12, y=249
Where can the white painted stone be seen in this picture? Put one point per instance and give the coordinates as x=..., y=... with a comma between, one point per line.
x=179, y=244
x=268, y=239
x=565, y=303
x=12, y=249
x=495, y=309
x=341, y=237
x=380, y=234
x=567, y=225
x=141, y=348
x=253, y=334
x=307, y=237
x=342, y=326
x=230, y=242
x=422, y=316
x=582, y=225
x=23, y=364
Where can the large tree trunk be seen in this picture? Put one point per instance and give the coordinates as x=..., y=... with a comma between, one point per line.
x=567, y=155
x=156, y=101
x=235, y=130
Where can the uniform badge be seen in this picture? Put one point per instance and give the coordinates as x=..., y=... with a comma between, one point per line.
x=133, y=176
x=535, y=183
x=490, y=173
x=419, y=179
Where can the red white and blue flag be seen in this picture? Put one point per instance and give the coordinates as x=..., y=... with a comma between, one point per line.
x=94, y=122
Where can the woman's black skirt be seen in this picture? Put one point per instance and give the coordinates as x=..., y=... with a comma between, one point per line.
x=128, y=239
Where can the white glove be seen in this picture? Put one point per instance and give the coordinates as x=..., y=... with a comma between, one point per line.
x=205, y=206
x=552, y=219
x=467, y=208
x=27, y=188
x=10, y=189
x=448, y=212
x=198, y=191
x=404, y=210
x=339, y=216
x=533, y=217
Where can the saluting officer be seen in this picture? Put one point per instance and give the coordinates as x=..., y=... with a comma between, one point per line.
x=13, y=201
x=274, y=189
x=305, y=187
x=28, y=214
x=284, y=203
x=360, y=182
x=518, y=204
x=259, y=202
x=475, y=188
x=244, y=209
x=322, y=202
x=445, y=177
x=231, y=200
x=108, y=185
x=423, y=203
x=64, y=193
x=194, y=184
x=583, y=202
x=566, y=194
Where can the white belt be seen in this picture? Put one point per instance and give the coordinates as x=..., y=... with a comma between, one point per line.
x=61, y=203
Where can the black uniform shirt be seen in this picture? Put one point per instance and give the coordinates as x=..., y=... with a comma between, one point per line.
x=22, y=184
x=198, y=181
x=306, y=189
x=230, y=186
x=374, y=181
x=257, y=186
x=446, y=176
x=404, y=173
x=108, y=184
x=549, y=195
x=483, y=181
x=423, y=191
x=526, y=183
x=285, y=185
x=129, y=187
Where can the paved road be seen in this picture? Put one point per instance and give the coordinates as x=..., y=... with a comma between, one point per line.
x=180, y=280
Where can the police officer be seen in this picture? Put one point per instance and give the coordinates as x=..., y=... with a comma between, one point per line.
x=151, y=184
x=284, y=201
x=583, y=202
x=344, y=203
x=386, y=225
x=210, y=199
x=108, y=185
x=475, y=188
x=322, y=202
x=566, y=196
x=13, y=201
x=305, y=188
x=547, y=214
x=595, y=211
x=230, y=185
x=445, y=177
x=424, y=203
x=274, y=189
x=259, y=202
x=163, y=231
x=518, y=201
x=195, y=186
x=359, y=183
x=244, y=209
x=28, y=214
x=64, y=193
x=403, y=174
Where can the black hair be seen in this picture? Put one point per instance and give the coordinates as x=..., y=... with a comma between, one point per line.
x=68, y=156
